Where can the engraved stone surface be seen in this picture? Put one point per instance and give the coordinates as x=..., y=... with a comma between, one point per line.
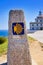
x=18, y=48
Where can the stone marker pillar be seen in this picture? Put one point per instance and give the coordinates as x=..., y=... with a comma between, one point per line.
x=18, y=48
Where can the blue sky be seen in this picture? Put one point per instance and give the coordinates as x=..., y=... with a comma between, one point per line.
x=30, y=7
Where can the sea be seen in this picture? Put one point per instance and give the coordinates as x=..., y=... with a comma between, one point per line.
x=4, y=33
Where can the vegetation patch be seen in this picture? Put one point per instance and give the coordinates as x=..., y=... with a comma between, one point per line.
x=3, y=45
x=31, y=39
x=2, y=40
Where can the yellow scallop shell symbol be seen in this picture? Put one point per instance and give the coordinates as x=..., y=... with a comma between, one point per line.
x=18, y=28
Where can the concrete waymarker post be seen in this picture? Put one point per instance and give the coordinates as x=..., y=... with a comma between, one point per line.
x=18, y=48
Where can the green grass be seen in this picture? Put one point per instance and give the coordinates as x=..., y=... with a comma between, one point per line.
x=31, y=39
x=3, y=46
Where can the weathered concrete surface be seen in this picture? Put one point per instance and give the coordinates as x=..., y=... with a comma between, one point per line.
x=18, y=49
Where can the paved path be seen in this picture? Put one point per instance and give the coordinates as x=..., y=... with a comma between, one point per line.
x=37, y=35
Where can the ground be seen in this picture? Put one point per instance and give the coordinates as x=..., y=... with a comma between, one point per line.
x=36, y=51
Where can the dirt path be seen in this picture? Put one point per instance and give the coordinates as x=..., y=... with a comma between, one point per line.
x=3, y=59
x=36, y=52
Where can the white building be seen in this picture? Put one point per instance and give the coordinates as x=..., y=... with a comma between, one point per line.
x=38, y=24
